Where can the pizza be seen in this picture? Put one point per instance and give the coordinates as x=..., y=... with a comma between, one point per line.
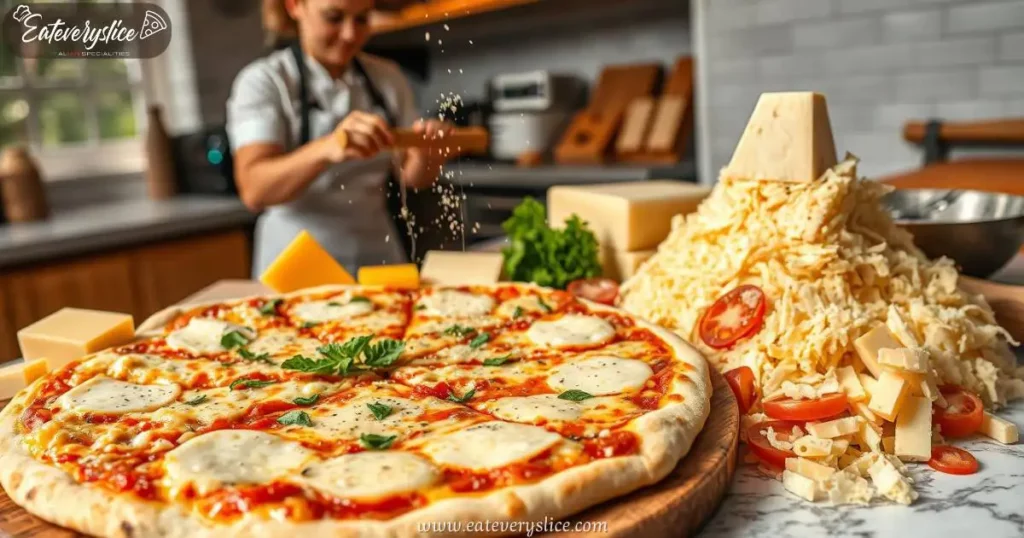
x=355, y=411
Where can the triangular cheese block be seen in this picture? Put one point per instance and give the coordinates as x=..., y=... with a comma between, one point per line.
x=788, y=138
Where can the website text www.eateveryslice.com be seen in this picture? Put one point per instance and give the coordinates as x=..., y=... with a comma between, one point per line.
x=527, y=528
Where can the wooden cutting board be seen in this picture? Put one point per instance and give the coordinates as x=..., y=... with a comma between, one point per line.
x=674, y=507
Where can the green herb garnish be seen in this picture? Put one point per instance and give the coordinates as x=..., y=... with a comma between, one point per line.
x=497, y=361
x=310, y=400
x=547, y=308
x=309, y=324
x=464, y=398
x=333, y=303
x=544, y=255
x=480, y=340
x=233, y=339
x=247, y=383
x=249, y=355
x=295, y=418
x=376, y=442
x=421, y=307
x=379, y=410
x=575, y=395
x=517, y=313
x=459, y=330
x=339, y=359
x=384, y=353
x=197, y=400
x=269, y=308
x=359, y=299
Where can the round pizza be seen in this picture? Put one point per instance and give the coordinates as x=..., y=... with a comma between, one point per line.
x=355, y=411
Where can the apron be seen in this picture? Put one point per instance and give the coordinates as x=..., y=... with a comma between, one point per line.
x=345, y=208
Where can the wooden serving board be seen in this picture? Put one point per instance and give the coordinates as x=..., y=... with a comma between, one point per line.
x=674, y=507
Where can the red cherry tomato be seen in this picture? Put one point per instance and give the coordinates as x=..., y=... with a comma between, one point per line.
x=733, y=316
x=759, y=445
x=741, y=381
x=827, y=406
x=599, y=290
x=951, y=460
x=963, y=414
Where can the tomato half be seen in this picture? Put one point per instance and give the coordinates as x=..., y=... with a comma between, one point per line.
x=952, y=460
x=827, y=406
x=735, y=315
x=741, y=381
x=764, y=451
x=599, y=290
x=963, y=414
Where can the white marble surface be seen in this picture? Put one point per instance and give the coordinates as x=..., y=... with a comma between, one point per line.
x=988, y=504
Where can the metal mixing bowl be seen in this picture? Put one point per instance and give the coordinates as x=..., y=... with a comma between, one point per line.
x=980, y=231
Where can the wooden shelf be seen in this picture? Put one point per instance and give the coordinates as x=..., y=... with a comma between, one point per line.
x=438, y=11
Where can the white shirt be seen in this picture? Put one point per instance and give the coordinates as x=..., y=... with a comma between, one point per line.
x=344, y=208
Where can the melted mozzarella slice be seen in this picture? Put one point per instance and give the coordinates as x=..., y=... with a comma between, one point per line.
x=456, y=304
x=203, y=335
x=524, y=304
x=355, y=418
x=228, y=457
x=600, y=375
x=371, y=474
x=321, y=311
x=105, y=395
x=546, y=407
x=490, y=445
x=284, y=344
x=571, y=330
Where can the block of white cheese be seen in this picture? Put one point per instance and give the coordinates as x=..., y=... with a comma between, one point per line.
x=788, y=138
x=799, y=485
x=1001, y=430
x=71, y=333
x=834, y=428
x=620, y=265
x=869, y=345
x=914, y=430
x=625, y=217
x=889, y=395
x=851, y=384
x=910, y=360
x=810, y=469
x=455, y=268
x=12, y=379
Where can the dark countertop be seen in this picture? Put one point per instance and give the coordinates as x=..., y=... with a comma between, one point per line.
x=483, y=175
x=117, y=224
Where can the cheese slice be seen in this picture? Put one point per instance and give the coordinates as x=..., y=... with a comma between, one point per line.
x=861, y=408
x=788, y=138
x=625, y=217
x=906, y=359
x=322, y=311
x=368, y=475
x=304, y=264
x=71, y=333
x=850, y=384
x=453, y=268
x=810, y=469
x=105, y=395
x=12, y=379
x=571, y=330
x=531, y=409
x=834, y=428
x=888, y=396
x=868, y=383
x=1001, y=430
x=490, y=445
x=456, y=304
x=355, y=418
x=600, y=375
x=869, y=438
x=809, y=446
x=894, y=321
x=800, y=485
x=914, y=430
x=233, y=457
x=403, y=276
x=203, y=335
x=870, y=343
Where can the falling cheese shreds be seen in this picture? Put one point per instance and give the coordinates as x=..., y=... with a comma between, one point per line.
x=833, y=266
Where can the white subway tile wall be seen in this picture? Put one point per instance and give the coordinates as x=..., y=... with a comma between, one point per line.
x=879, y=62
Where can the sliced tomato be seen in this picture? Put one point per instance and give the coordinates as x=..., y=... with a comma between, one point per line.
x=759, y=445
x=827, y=406
x=952, y=460
x=599, y=290
x=963, y=413
x=733, y=316
x=741, y=381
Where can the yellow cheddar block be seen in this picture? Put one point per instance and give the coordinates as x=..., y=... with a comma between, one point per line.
x=834, y=428
x=70, y=333
x=455, y=268
x=34, y=370
x=402, y=276
x=868, y=383
x=851, y=384
x=861, y=408
x=620, y=265
x=12, y=379
x=869, y=345
x=889, y=395
x=304, y=264
x=910, y=360
x=914, y=430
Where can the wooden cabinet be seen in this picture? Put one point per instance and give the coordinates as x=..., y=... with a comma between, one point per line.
x=169, y=272
x=8, y=330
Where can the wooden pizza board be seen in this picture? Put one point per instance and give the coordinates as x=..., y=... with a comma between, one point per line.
x=674, y=507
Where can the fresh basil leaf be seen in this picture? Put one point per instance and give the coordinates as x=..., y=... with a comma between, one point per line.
x=464, y=398
x=379, y=410
x=269, y=308
x=233, y=339
x=480, y=340
x=249, y=355
x=246, y=383
x=517, y=313
x=359, y=299
x=295, y=418
x=497, y=361
x=351, y=348
x=197, y=400
x=376, y=442
x=308, y=365
x=421, y=307
x=334, y=303
x=306, y=400
x=309, y=324
x=384, y=353
x=575, y=395
x=459, y=330
x=546, y=307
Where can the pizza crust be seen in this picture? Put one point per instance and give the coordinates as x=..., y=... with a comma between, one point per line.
x=667, y=435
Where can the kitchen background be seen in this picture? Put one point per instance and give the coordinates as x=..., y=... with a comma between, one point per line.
x=96, y=234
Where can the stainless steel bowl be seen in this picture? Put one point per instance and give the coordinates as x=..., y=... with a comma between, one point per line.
x=980, y=231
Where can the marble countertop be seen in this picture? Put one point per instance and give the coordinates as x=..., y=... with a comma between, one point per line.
x=117, y=224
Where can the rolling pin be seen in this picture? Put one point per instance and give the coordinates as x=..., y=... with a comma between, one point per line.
x=461, y=139
x=1006, y=300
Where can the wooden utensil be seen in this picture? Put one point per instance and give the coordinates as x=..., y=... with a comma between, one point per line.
x=1006, y=300
x=461, y=140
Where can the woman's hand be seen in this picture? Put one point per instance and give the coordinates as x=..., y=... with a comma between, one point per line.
x=426, y=162
x=361, y=135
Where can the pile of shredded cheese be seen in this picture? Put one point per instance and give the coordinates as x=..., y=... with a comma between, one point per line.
x=833, y=267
